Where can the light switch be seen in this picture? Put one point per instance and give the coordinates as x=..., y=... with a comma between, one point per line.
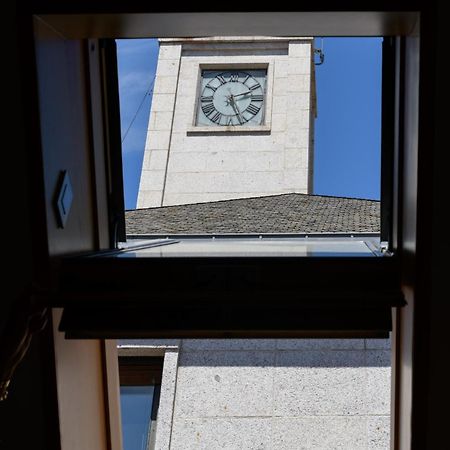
x=64, y=199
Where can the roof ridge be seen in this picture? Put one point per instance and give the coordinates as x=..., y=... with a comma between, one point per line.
x=256, y=197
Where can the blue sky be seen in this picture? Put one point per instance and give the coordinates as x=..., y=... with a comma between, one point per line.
x=348, y=126
x=137, y=59
x=347, y=129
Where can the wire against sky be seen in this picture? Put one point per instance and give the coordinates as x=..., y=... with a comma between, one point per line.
x=148, y=92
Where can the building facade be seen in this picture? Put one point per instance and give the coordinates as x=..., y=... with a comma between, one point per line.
x=231, y=127
x=230, y=118
x=271, y=394
x=268, y=394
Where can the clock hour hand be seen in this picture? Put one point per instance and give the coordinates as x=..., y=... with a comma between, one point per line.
x=236, y=108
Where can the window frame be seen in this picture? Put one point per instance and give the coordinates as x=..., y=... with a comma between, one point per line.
x=77, y=322
x=413, y=238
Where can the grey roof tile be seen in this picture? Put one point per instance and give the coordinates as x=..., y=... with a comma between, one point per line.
x=285, y=213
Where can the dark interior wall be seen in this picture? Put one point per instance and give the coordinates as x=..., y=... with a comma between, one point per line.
x=56, y=398
x=29, y=416
x=437, y=393
x=404, y=332
x=28, y=419
x=64, y=112
x=423, y=385
x=16, y=198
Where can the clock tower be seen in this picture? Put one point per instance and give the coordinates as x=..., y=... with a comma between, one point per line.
x=231, y=117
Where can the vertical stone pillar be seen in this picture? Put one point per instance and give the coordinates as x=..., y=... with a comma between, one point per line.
x=300, y=117
x=157, y=146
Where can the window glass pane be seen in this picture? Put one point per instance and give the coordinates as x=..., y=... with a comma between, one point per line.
x=250, y=247
x=136, y=405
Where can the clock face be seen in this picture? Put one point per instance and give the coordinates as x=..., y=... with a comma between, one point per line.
x=232, y=98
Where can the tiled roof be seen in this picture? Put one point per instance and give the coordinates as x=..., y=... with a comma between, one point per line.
x=285, y=213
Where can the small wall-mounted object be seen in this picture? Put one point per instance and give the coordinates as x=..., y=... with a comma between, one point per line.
x=64, y=198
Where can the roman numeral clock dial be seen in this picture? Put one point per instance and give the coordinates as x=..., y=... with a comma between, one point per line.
x=232, y=98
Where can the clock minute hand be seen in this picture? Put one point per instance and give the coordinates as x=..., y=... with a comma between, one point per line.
x=242, y=93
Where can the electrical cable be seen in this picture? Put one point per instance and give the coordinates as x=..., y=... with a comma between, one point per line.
x=147, y=93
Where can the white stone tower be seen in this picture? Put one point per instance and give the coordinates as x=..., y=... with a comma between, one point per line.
x=231, y=117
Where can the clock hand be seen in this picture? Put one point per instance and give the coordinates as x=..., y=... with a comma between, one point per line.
x=235, y=107
x=242, y=93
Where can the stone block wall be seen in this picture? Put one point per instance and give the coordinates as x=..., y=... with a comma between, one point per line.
x=188, y=164
x=274, y=394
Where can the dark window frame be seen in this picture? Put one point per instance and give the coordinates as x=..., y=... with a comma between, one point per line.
x=416, y=210
x=252, y=307
x=417, y=188
x=239, y=296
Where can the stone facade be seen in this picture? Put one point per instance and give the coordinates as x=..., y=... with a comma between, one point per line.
x=272, y=394
x=184, y=163
x=265, y=394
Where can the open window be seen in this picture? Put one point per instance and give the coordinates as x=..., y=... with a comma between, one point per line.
x=235, y=284
x=259, y=286
x=107, y=294
x=208, y=172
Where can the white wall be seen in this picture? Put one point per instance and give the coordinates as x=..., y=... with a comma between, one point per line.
x=275, y=394
x=185, y=164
